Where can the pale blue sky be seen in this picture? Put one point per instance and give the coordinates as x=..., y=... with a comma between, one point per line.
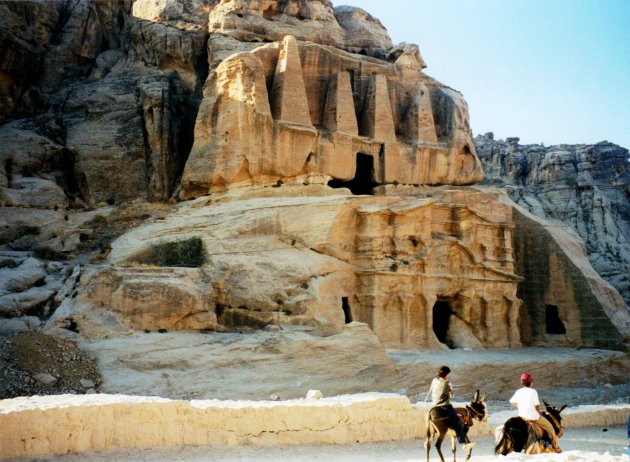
x=547, y=71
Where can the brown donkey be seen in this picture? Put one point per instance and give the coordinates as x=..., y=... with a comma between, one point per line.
x=438, y=424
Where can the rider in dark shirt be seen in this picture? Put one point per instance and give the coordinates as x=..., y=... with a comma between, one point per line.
x=441, y=395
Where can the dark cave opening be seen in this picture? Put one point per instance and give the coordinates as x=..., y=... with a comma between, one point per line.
x=363, y=180
x=553, y=323
x=441, y=317
x=346, y=310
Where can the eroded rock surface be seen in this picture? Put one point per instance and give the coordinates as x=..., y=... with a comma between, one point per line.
x=582, y=186
x=402, y=265
x=250, y=366
x=316, y=113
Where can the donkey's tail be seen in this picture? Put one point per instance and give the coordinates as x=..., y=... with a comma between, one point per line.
x=503, y=440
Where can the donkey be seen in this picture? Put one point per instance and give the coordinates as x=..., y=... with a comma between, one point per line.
x=438, y=423
x=517, y=435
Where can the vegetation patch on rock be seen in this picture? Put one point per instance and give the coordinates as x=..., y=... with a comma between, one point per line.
x=189, y=253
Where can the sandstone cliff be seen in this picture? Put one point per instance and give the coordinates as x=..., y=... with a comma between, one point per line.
x=586, y=187
x=333, y=212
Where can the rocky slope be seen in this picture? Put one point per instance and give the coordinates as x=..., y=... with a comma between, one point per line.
x=586, y=187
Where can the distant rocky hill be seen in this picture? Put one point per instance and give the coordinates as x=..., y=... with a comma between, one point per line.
x=586, y=187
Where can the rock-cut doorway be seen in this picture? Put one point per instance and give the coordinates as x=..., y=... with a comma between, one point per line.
x=363, y=180
x=441, y=318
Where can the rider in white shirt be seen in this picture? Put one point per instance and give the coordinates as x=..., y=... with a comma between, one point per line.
x=526, y=399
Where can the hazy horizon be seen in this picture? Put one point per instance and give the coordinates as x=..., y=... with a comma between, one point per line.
x=546, y=71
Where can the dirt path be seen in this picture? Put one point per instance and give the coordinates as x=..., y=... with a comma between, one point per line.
x=587, y=444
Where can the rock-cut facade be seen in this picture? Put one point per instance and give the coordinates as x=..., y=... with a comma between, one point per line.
x=422, y=268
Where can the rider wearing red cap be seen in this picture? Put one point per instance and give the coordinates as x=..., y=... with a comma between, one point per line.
x=526, y=399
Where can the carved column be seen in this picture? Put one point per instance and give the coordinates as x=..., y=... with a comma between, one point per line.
x=431, y=340
x=514, y=309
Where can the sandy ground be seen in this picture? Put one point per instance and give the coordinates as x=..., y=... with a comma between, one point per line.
x=588, y=444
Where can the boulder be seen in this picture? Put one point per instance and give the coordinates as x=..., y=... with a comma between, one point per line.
x=53, y=234
x=23, y=151
x=12, y=326
x=461, y=335
x=363, y=33
x=32, y=301
x=29, y=273
x=45, y=379
x=264, y=21
x=34, y=193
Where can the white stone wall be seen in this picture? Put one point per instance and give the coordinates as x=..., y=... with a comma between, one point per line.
x=75, y=423
x=580, y=416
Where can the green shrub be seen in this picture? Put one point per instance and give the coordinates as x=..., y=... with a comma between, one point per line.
x=8, y=263
x=570, y=180
x=188, y=254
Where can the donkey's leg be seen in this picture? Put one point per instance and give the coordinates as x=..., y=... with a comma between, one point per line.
x=429, y=435
x=438, y=445
x=469, y=450
x=468, y=453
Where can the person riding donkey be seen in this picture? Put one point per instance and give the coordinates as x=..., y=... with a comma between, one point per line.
x=526, y=400
x=441, y=394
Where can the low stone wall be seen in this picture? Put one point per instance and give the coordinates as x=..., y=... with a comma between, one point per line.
x=580, y=416
x=596, y=416
x=76, y=423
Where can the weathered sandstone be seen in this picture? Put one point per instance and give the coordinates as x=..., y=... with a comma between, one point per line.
x=582, y=186
x=26, y=29
x=250, y=365
x=402, y=265
x=565, y=301
x=350, y=118
x=27, y=287
x=271, y=20
x=363, y=33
